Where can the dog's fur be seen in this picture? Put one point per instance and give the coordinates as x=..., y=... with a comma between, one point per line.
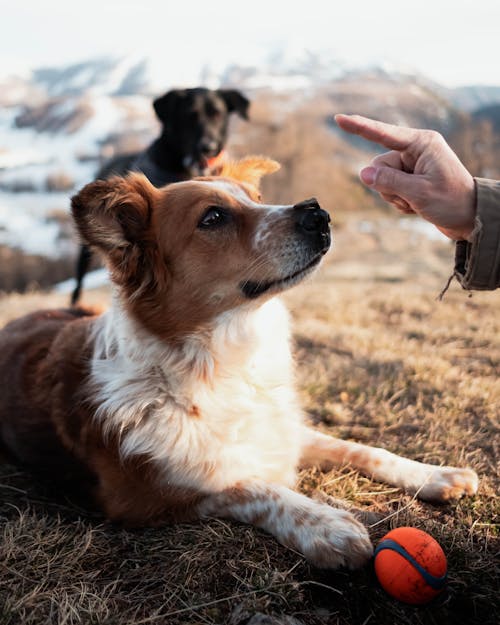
x=192, y=141
x=178, y=402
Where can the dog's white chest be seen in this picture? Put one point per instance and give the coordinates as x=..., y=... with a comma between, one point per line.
x=245, y=421
x=247, y=430
x=216, y=415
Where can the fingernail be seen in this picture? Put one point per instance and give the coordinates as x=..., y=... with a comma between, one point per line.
x=367, y=175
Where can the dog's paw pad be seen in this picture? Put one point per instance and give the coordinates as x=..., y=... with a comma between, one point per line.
x=334, y=538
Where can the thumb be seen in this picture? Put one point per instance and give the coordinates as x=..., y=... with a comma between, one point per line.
x=393, y=182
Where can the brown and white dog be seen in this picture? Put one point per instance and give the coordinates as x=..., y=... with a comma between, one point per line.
x=178, y=402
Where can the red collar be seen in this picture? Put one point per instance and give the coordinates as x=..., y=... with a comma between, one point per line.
x=214, y=161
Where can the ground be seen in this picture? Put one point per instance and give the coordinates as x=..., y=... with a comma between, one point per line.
x=381, y=361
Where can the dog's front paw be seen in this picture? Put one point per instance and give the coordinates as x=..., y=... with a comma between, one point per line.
x=447, y=483
x=330, y=538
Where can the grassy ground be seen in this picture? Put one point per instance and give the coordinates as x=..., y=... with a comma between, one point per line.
x=380, y=361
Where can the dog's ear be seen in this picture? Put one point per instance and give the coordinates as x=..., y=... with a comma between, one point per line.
x=235, y=102
x=164, y=106
x=250, y=169
x=114, y=215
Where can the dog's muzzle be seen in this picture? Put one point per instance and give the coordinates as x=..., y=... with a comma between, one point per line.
x=200, y=162
x=311, y=224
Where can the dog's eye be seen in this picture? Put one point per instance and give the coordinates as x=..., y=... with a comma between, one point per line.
x=214, y=217
x=212, y=112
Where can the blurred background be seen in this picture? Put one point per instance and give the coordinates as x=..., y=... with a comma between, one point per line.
x=77, y=82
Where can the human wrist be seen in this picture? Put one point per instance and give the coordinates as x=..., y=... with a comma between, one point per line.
x=461, y=211
x=469, y=210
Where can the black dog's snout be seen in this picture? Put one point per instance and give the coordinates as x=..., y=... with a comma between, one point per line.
x=208, y=146
x=310, y=217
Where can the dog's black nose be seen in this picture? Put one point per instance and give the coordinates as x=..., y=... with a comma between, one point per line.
x=310, y=217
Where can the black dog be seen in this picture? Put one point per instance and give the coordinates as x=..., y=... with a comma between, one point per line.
x=194, y=133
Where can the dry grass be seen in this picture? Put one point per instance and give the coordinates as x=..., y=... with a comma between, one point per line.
x=380, y=361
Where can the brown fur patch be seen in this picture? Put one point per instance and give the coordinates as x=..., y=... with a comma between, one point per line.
x=194, y=411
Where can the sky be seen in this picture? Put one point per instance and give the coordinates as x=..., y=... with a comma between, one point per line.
x=454, y=42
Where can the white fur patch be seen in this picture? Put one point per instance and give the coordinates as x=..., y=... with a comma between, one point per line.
x=270, y=214
x=270, y=217
x=217, y=410
x=427, y=481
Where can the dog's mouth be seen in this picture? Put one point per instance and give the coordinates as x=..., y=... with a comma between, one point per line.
x=200, y=164
x=204, y=162
x=253, y=289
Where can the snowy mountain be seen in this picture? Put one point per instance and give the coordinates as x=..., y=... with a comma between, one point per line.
x=98, y=76
x=474, y=97
x=57, y=126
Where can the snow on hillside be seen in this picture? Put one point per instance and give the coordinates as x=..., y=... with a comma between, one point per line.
x=102, y=76
x=93, y=280
x=23, y=224
x=28, y=158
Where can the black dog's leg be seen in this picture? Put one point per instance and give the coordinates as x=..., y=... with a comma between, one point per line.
x=82, y=266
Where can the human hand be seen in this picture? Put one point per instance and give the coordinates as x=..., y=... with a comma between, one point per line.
x=421, y=174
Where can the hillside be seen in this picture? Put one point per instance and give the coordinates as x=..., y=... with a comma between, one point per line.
x=490, y=114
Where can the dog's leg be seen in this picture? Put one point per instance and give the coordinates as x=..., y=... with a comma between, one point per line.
x=82, y=266
x=327, y=537
x=429, y=482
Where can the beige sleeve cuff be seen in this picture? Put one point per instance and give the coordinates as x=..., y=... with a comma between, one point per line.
x=477, y=260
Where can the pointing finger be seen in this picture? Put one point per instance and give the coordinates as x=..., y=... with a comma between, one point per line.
x=392, y=137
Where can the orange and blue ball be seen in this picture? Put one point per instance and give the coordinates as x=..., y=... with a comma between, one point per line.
x=410, y=565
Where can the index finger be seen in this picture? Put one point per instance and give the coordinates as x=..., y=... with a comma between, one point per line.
x=392, y=137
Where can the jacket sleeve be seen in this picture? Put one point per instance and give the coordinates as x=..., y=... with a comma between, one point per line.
x=477, y=260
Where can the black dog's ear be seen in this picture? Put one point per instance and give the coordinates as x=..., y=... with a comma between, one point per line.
x=235, y=102
x=164, y=106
